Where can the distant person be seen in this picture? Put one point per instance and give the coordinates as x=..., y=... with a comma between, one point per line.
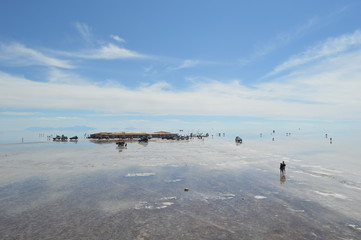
x=283, y=167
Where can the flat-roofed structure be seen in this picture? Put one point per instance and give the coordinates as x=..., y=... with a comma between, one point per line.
x=130, y=135
x=161, y=134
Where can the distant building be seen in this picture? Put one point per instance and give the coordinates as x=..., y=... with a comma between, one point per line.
x=161, y=134
x=130, y=135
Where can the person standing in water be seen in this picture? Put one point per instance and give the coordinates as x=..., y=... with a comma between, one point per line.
x=283, y=167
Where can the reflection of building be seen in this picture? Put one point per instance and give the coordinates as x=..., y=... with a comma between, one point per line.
x=161, y=134
x=130, y=135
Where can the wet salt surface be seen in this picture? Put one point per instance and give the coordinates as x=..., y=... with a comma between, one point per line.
x=98, y=191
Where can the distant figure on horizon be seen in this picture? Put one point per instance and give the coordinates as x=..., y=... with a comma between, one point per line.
x=282, y=167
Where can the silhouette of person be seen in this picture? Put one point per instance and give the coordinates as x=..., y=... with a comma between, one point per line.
x=283, y=167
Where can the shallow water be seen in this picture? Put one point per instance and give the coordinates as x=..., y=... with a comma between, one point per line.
x=86, y=190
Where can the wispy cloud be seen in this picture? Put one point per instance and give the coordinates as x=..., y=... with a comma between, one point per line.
x=20, y=55
x=326, y=90
x=280, y=40
x=85, y=31
x=65, y=77
x=108, y=51
x=20, y=113
x=188, y=63
x=17, y=54
x=100, y=49
x=57, y=118
x=137, y=120
x=111, y=51
x=73, y=128
x=175, y=65
x=117, y=38
x=331, y=46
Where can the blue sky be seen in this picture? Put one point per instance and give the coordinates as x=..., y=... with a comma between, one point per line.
x=169, y=65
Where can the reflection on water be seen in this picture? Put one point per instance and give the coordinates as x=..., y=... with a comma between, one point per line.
x=282, y=178
x=144, y=144
x=103, y=141
x=90, y=191
x=121, y=148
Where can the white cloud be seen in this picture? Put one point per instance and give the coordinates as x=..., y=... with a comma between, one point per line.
x=328, y=90
x=20, y=113
x=104, y=51
x=188, y=63
x=137, y=121
x=107, y=51
x=112, y=51
x=117, y=38
x=18, y=54
x=331, y=46
x=65, y=77
x=158, y=86
x=57, y=118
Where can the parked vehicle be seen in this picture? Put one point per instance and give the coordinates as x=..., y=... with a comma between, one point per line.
x=238, y=140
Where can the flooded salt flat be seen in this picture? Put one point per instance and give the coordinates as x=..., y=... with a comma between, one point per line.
x=88, y=190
